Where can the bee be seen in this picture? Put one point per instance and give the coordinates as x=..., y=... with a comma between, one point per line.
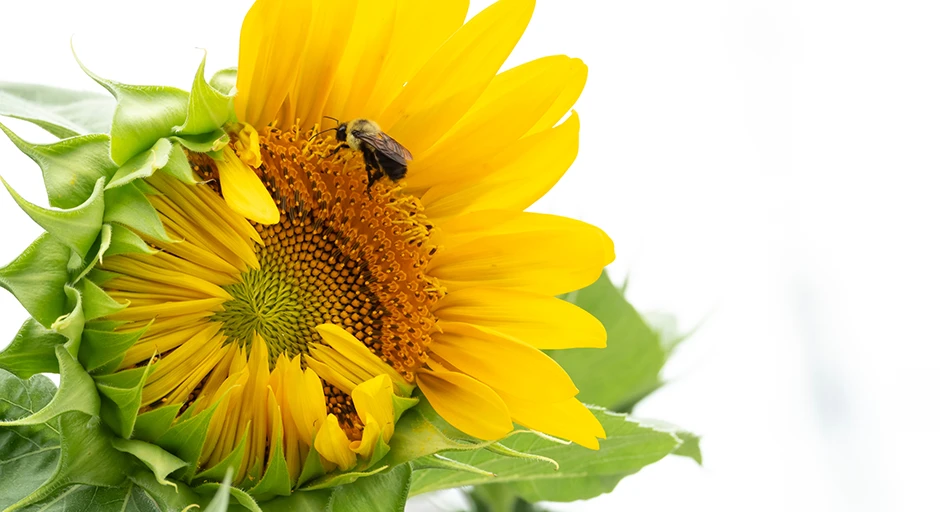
x=383, y=155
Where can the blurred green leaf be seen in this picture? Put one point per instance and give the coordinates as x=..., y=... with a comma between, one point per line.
x=61, y=112
x=618, y=376
x=630, y=445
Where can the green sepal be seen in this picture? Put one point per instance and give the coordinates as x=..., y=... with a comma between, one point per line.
x=385, y=492
x=72, y=323
x=231, y=461
x=87, y=457
x=125, y=241
x=76, y=227
x=143, y=164
x=402, y=404
x=96, y=303
x=144, y=114
x=153, y=424
x=379, y=451
x=219, y=502
x=224, y=81
x=416, y=436
x=102, y=351
x=203, y=142
x=276, y=479
x=186, y=438
x=438, y=461
x=177, y=497
x=121, y=398
x=313, y=467
x=178, y=166
x=32, y=351
x=225, y=489
x=129, y=206
x=208, y=109
x=76, y=393
x=337, y=479
x=37, y=278
x=61, y=112
x=70, y=167
x=161, y=462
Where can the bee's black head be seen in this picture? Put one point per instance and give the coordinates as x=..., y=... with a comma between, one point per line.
x=341, y=133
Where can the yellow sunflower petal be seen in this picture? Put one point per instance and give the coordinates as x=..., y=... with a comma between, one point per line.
x=455, y=76
x=520, y=175
x=574, y=84
x=272, y=39
x=421, y=26
x=502, y=363
x=370, y=435
x=373, y=398
x=243, y=190
x=568, y=419
x=466, y=403
x=361, y=62
x=513, y=103
x=541, y=321
x=536, y=258
x=333, y=444
x=326, y=45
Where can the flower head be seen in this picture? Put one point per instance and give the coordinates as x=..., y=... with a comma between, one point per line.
x=292, y=306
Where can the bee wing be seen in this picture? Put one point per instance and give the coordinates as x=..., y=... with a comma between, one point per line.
x=390, y=147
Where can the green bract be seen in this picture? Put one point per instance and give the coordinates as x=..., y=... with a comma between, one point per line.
x=85, y=445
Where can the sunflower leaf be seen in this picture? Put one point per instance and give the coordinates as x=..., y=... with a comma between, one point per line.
x=302, y=501
x=61, y=112
x=75, y=227
x=29, y=453
x=144, y=114
x=630, y=445
x=37, y=278
x=70, y=167
x=627, y=370
x=32, y=351
x=209, y=108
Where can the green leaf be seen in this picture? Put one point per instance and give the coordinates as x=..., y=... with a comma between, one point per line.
x=161, y=462
x=61, y=112
x=153, y=424
x=37, y=278
x=76, y=393
x=87, y=457
x=28, y=454
x=32, y=351
x=70, y=167
x=416, y=436
x=219, y=502
x=690, y=447
x=630, y=445
x=384, y=492
x=129, y=206
x=209, y=108
x=144, y=115
x=76, y=227
x=627, y=370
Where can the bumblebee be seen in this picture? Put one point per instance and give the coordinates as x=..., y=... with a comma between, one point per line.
x=383, y=155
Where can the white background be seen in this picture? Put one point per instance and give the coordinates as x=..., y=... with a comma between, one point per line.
x=767, y=171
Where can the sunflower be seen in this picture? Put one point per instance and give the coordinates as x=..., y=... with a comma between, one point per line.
x=299, y=307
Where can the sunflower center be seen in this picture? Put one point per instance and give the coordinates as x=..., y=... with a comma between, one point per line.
x=341, y=254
